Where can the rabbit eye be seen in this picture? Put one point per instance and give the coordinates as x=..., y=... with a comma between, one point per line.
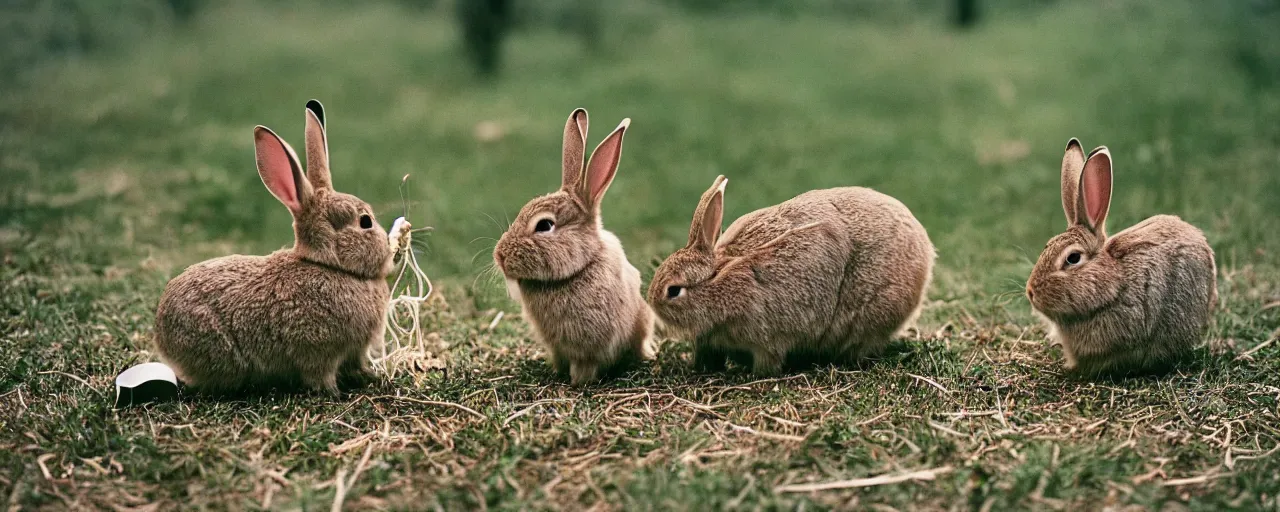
x=366, y=222
x=1074, y=258
x=675, y=291
x=545, y=226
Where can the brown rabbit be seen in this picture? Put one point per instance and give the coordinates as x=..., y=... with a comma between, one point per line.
x=1135, y=302
x=829, y=274
x=571, y=277
x=299, y=315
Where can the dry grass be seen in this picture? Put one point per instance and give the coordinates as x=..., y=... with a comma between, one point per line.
x=121, y=169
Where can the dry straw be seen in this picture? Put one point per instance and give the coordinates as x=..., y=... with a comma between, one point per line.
x=404, y=341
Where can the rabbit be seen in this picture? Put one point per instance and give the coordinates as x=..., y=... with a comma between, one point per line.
x=301, y=315
x=827, y=275
x=571, y=276
x=1131, y=303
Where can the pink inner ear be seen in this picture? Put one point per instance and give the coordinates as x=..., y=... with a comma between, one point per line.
x=712, y=218
x=1097, y=188
x=276, y=169
x=603, y=165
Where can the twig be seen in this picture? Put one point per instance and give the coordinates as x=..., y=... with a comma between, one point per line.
x=697, y=406
x=926, y=474
x=784, y=421
x=44, y=470
x=364, y=460
x=531, y=407
x=1000, y=410
x=1193, y=480
x=340, y=493
x=496, y=318
x=77, y=378
x=766, y=435
x=864, y=423
x=1252, y=457
x=931, y=382
x=1256, y=348
x=944, y=428
x=460, y=407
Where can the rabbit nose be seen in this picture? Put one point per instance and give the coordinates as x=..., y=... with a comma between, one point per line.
x=498, y=258
x=1030, y=293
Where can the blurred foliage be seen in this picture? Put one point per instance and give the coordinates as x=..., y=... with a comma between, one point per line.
x=876, y=9
x=184, y=10
x=484, y=25
x=584, y=18
x=965, y=13
x=33, y=29
x=1257, y=40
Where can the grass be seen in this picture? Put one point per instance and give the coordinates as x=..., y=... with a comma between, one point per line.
x=122, y=167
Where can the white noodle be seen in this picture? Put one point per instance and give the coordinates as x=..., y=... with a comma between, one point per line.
x=410, y=290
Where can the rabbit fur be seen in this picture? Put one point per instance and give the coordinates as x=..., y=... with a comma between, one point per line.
x=301, y=315
x=828, y=275
x=1136, y=302
x=570, y=275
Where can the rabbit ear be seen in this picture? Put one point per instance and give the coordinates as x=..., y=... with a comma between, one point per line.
x=1095, y=190
x=707, y=218
x=1072, y=163
x=317, y=147
x=603, y=166
x=278, y=166
x=575, y=149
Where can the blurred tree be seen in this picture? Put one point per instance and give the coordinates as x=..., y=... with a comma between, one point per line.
x=583, y=18
x=966, y=13
x=421, y=5
x=484, y=25
x=184, y=10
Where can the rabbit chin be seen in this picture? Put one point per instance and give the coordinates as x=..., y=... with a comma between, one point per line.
x=513, y=290
x=669, y=330
x=1054, y=335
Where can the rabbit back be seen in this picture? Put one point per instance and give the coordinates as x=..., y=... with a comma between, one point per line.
x=842, y=290
x=886, y=275
x=240, y=321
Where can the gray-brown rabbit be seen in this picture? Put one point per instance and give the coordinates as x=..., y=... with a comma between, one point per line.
x=830, y=274
x=1134, y=302
x=298, y=315
x=571, y=277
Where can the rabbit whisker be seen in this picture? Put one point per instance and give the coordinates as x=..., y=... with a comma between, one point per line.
x=491, y=219
x=489, y=273
x=404, y=196
x=478, y=253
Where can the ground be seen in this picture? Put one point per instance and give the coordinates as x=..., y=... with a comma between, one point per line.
x=122, y=167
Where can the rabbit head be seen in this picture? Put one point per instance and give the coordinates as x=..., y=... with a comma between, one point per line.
x=1074, y=275
x=679, y=283
x=557, y=235
x=330, y=228
x=698, y=287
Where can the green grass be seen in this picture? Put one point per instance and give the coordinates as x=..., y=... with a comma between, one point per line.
x=120, y=168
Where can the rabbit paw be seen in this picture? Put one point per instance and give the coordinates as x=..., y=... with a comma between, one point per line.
x=583, y=373
x=326, y=384
x=560, y=364
x=765, y=363
x=356, y=372
x=707, y=359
